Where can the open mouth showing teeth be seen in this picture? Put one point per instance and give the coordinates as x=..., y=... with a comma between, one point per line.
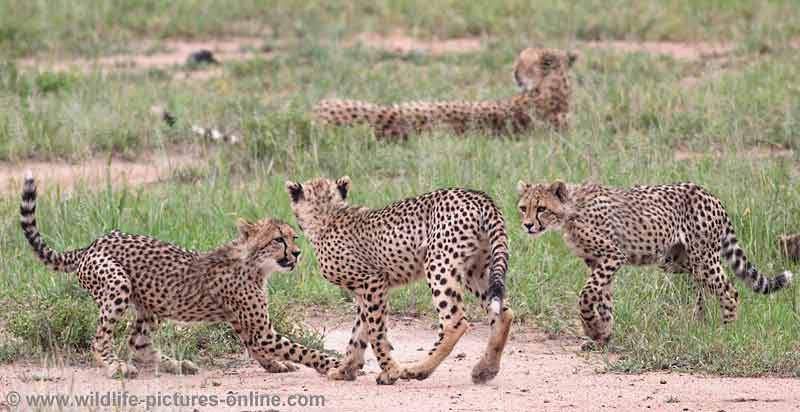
x=285, y=263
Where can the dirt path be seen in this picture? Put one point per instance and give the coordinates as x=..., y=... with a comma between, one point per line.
x=538, y=375
x=147, y=168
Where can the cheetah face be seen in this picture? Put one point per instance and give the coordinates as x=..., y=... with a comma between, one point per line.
x=316, y=198
x=534, y=65
x=541, y=207
x=269, y=245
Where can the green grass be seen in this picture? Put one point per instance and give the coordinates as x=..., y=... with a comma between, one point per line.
x=631, y=112
x=89, y=28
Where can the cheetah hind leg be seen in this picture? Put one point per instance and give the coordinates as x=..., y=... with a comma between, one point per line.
x=449, y=303
x=489, y=365
x=113, y=302
x=141, y=346
x=477, y=281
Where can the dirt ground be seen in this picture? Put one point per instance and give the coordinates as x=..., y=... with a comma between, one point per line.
x=538, y=374
x=145, y=169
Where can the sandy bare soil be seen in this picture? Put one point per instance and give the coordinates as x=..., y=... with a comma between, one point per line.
x=146, y=169
x=162, y=54
x=538, y=374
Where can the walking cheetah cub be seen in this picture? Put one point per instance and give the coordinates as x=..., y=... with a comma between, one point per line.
x=454, y=238
x=680, y=228
x=541, y=74
x=164, y=281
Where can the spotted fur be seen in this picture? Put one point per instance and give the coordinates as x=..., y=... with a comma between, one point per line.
x=541, y=74
x=454, y=238
x=164, y=281
x=790, y=246
x=681, y=228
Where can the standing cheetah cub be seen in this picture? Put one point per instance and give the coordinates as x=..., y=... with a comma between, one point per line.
x=680, y=228
x=540, y=73
x=454, y=238
x=164, y=281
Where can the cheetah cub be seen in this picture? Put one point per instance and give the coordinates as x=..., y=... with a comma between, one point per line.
x=164, y=281
x=681, y=228
x=454, y=238
x=542, y=75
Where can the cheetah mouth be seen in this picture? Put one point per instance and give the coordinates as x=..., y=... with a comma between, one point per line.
x=285, y=263
x=535, y=232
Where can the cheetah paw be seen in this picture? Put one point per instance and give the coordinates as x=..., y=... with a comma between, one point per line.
x=342, y=374
x=417, y=373
x=188, y=368
x=122, y=371
x=389, y=376
x=483, y=373
x=273, y=366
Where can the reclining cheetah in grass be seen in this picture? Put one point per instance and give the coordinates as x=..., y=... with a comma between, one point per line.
x=541, y=74
x=164, y=281
x=681, y=228
x=455, y=238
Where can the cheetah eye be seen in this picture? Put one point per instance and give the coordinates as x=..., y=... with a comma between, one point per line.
x=523, y=209
x=541, y=209
x=279, y=239
x=295, y=237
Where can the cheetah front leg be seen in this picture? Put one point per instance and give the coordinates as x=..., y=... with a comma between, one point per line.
x=141, y=346
x=596, y=304
x=270, y=365
x=263, y=343
x=373, y=308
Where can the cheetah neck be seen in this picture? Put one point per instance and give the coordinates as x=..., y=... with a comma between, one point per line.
x=228, y=259
x=316, y=221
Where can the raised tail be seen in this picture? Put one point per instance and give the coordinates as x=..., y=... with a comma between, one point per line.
x=745, y=271
x=495, y=227
x=347, y=112
x=64, y=262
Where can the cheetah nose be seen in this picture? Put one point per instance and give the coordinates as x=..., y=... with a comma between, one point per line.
x=295, y=253
x=528, y=226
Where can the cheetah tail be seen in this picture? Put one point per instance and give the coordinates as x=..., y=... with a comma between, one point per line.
x=338, y=112
x=745, y=271
x=498, y=265
x=64, y=262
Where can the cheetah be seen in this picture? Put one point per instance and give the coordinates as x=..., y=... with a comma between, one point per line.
x=164, y=281
x=455, y=238
x=681, y=228
x=789, y=245
x=540, y=73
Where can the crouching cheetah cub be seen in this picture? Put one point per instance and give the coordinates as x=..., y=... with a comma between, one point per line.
x=681, y=228
x=454, y=238
x=164, y=281
x=540, y=73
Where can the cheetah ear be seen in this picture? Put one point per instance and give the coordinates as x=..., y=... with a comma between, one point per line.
x=559, y=190
x=343, y=184
x=572, y=56
x=245, y=228
x=295, y=190
x=522, y=187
